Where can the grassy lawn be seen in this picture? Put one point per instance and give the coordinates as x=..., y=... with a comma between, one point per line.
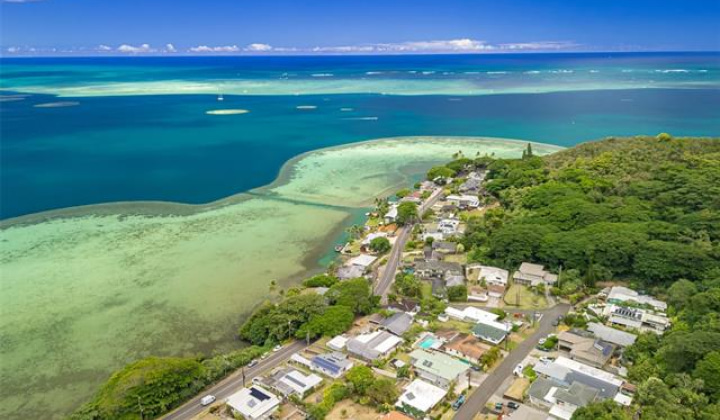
x=529, y=373
x=525, y=297
x=456, y=258
x=426, y=289
x=347, y=409
x=460, y=326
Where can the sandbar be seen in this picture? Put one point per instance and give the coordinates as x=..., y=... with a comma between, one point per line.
x=227, y=111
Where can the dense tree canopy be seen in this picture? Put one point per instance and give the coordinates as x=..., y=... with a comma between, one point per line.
x=640, y=208
x=406, y=212
x=380, y=245
x=355, y=294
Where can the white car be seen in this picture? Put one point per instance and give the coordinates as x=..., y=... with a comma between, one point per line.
x=518, y=369
x=277, y=348
x=207, y=400
x=545, y=360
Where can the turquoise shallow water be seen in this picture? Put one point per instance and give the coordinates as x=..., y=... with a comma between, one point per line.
x=165, y=146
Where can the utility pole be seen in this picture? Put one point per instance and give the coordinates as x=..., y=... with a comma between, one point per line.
x=242, y=370
x=140, y=407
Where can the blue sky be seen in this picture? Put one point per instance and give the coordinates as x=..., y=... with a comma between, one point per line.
x=365, y=26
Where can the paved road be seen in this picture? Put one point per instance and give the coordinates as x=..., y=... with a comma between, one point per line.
x=233, y=383
x=387, y=276
x=480, y=397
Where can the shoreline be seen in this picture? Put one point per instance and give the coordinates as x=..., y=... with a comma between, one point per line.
x=284, y=175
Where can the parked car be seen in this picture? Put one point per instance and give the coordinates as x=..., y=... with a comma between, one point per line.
x=542, y=341
x=545, y=360
x=207, y=400
x=518, y=369
x=499, y=407
x=277, y=348
x=252, y=363
x=460, y=401
x=513, y=405
x=476, y=368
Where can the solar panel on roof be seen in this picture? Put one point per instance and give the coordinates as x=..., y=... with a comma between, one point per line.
x=326, y=364
x=257, y=394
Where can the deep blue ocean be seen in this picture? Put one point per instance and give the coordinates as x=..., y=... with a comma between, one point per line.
x=111, y=145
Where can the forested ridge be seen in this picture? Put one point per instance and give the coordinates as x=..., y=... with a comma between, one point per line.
x=643, y=210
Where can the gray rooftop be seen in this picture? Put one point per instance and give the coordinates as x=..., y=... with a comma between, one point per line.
x=398, y=323
x=578, y=394
x=611, y=335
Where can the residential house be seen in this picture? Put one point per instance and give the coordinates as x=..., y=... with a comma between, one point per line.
x=373, y=345
x=471, y=185
x=436, y=269
x=561, y=400
x=464, y=201
x=444, y=247
x=495, y=278
x=408, y=305
x=611, y=335
x=420, y=397
x=349, y=272
x=449, y=227
x=338, y=342
x=470, y=314
x=465, y=346
x=585, y=348
x=392, y=214
x=289, y=381
x=491, y=331
x=434, y=233
x=565, y=371
x=534, y=274
x=332, y=364
x=619, y=294
x=254, y=403
x=437, y=368
x=398, y=323
x=639, y=319
x=365, y=244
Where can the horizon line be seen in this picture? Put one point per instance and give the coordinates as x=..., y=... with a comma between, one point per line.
x=358, y=54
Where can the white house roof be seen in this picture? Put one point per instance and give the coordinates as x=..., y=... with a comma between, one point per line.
x=621, y=294
x=362, y=260
x=253, y=402
x=493, y=274
x=421, y=395
x=471, y=314
x=338, y=342
x=587, y=370
x=299, y=382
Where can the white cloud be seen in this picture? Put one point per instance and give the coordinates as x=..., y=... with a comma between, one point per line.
x=218, y=49
x=541, y=45
x=103, y=48
x=259, y=47
x=13, y=50
x=130, y=49
x=170, y=48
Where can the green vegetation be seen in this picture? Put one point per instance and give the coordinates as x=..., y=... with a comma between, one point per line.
x=407, y=285
x=355, y=294
x=403, y=193
x=457, y=293
x=360, y=384
x=335, y=320
x=152, y=386
x=407, y=213
x=440, y=172
x=642, y=208
x=605, y=410
x=380, y=245
x=321, y=280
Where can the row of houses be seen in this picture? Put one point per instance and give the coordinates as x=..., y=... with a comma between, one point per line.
x=564, y=385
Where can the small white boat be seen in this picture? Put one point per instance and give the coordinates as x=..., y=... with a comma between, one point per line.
x=220, y=98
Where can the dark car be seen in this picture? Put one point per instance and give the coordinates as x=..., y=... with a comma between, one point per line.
x=476, y=368
x=513, y=405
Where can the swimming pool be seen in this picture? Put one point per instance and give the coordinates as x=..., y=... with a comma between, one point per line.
x=429, y=343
